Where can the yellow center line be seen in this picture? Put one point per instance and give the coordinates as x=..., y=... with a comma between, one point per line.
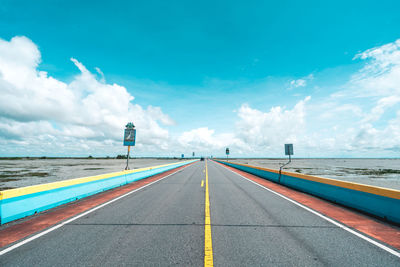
x=208, y=253
x=202, y=183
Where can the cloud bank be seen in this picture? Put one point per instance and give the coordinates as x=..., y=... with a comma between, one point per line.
x=42, y=115
x=47, y=114
x=361, y=119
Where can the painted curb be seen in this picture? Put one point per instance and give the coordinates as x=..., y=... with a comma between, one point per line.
x=25, y=201
x=378, y=201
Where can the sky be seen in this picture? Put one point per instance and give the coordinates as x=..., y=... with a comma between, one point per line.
x=200, y=76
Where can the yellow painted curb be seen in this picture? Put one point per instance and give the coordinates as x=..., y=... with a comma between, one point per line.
x=54, y=185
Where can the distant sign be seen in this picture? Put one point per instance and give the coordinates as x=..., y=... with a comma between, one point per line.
x=227, y=151
x=183, y=155
x=288, y=149
x=129, y=137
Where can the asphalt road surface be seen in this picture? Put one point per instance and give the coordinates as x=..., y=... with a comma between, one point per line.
x=164, y=224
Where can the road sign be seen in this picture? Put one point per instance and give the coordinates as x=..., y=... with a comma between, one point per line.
x=227, y=151
x=130, y=136
x=288, y=149
x=129, y=140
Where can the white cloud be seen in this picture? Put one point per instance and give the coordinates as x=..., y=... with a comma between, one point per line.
x=265, y=130
x=255, y=132
x=379, y=82
x=370, y=138
x=367, y=122
x=381, y=74
x=205, y=141
x=300, y=82
x=202, y=139
x=361, y=119
x=41, y=113
x=381, y=106
x=383, y=58
x=334, y=110
x=35, y=104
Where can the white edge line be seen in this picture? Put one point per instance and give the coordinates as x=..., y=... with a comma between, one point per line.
x=392, y=251
x=25, y=241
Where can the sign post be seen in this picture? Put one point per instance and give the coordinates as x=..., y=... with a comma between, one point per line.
x=288, y=152
x=227, y=153
x=129, y=140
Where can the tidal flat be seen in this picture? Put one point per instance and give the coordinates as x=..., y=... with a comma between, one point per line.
x=16, y=173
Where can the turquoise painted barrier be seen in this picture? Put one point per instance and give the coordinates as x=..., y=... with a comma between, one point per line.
x=25, y=201
x=378, y=201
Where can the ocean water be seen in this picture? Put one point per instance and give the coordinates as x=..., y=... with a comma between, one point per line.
x=376, y=172
x=25, y=172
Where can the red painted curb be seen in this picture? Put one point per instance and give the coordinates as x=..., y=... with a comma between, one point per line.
x=50, y=218
x=361, y=223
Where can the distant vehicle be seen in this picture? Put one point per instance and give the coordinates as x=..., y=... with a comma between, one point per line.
x=202, y=159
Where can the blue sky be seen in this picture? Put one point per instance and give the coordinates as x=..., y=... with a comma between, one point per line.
x=202, y=63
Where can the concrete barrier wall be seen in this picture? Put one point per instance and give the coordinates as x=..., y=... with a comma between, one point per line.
x=25, y=201
x=378, y=201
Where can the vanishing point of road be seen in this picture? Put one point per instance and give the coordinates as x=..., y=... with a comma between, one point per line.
x=202, y=214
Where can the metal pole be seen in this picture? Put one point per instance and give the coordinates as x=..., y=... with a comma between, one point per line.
x=127, y=159
x=280, y=169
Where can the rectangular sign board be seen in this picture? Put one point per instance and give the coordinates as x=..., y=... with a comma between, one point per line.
x=288, y=149
x=129, y=137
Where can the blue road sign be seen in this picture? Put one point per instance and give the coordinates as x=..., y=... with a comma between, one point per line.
x=129, y=137
x=288, y=149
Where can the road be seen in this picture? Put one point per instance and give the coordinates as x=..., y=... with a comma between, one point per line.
x=164, y=224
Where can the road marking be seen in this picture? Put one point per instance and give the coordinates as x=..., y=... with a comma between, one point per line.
x=4, y=251
x=391, y=251
x=208, y=253
x=202, y=183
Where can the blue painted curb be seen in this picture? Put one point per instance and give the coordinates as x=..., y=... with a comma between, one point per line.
x=376, y=204
x=23, y=205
